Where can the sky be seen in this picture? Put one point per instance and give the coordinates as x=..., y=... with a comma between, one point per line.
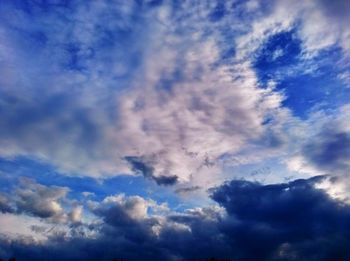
x=174, y=130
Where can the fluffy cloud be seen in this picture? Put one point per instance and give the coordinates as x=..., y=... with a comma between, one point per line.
x=48, y=203
x=285, y=221
x=325, y=150
x=177, y=107
x=148, y=82
x=5, y=204
x=40, y=200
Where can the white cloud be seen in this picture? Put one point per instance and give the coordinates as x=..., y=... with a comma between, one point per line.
x=179, y=107
x=17, y=226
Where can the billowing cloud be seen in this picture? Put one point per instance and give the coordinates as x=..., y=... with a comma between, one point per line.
x=177, y=106
x=285, y=221
x=48, y=203
x=144, y=81
x=40, y=200
x=5, y=204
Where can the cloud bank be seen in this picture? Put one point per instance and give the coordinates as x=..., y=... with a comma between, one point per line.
x=287, y=221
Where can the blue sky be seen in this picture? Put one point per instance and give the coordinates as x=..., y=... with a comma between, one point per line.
x=174, y=130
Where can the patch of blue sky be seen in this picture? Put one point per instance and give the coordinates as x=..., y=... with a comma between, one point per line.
x=218, y=12
x=281, y=51
x=308, y=83
x=11, y=170
x=32, y=7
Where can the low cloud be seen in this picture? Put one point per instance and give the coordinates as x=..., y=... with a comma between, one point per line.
x=5, y=204
x=286, y=221
x=39, y=200
x=330, y=151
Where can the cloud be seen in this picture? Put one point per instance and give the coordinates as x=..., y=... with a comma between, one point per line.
x=150, y=82
x=286, y=221
x=50, y=204
x=330, y=151
x=283, y=221
x=328, y=148
x=169, y=84
x=5, y=204
x=127, y=80
x=186, y=190
x=138, y=166
x=170, y=91
x=75, y=216
x=39, y=200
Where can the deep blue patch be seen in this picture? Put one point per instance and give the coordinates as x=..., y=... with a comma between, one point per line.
x=280, y=59
x=218, y=13
x=322, y=88
x=280, y=51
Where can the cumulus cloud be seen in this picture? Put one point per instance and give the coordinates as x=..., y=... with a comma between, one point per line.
x=324, y=149
x=286, y=221
x=5, y=204
x=49, y=204
x=75, y=216
x=39, y=200
x=283, y=221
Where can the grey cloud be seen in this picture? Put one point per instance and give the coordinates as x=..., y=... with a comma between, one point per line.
x=5, y=204
x=39, y=200
x=330, y=151
x=138, y=165
x=186, y=190
x=338, y=9
x=287, y=221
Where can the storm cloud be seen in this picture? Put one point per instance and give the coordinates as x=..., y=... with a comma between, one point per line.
x=288, y=221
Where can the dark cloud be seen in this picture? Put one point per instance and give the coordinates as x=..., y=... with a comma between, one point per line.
x=330, y=151
x=49, y=203
x=140, y=166
x=187, y=190
x=289, y=221
x=338, y=9
x=5, y=204
x=165, y=180
x=39, y=200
